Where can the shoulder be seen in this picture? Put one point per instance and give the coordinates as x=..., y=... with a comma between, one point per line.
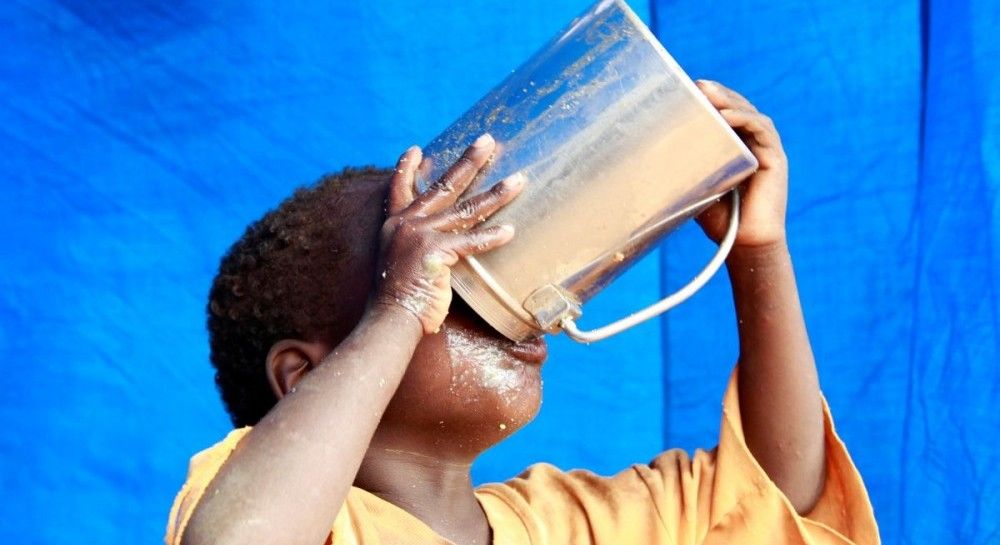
x=203, y=467
x=670, y=464
x=641, y=500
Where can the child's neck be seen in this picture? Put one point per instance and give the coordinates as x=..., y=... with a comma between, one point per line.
x=437, y=491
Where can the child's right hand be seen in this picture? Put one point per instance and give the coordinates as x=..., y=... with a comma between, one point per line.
x=427, y=234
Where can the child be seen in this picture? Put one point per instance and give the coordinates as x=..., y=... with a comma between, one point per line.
x=371, y=391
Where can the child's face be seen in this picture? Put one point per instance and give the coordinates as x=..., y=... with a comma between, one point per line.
x=469, y=381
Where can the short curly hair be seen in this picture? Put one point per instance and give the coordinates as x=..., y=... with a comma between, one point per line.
x=303, y=271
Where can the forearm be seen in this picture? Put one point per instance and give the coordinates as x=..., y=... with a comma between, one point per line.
x=290, y=475
x=780, y=401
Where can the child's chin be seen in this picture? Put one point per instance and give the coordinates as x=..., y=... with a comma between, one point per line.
x=516, y=407
x=498, y=427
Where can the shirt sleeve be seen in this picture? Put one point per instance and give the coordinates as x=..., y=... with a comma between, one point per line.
x=352, y=525
x=203, y=468
x=720, y=496
x=744, y=499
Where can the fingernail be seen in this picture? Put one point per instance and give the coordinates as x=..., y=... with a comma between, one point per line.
x=515, y=181
x=483, y=141
x=412, y=148
x=707, y=83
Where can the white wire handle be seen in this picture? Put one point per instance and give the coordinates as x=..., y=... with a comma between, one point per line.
x=669, y=302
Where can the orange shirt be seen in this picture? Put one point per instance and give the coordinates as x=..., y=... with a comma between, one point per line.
x=720, y=496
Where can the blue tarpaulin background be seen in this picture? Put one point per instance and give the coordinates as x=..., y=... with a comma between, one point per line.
x=137, y=139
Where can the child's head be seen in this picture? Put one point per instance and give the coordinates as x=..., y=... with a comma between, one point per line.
x=304, y=273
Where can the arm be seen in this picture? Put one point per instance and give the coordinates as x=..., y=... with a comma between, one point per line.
x=307, y=450
x=289, y=477
x=780, y=401
x=779, y=393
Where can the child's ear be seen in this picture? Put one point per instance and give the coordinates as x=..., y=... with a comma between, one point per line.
x=289, y=360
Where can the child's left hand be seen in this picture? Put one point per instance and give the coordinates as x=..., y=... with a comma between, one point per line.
x=765, y=193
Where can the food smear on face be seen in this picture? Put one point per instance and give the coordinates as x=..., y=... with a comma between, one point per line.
x=483, y=362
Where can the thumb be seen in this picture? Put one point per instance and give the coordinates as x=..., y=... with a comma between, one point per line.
x=716, y=214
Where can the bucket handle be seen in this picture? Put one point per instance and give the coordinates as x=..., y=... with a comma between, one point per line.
x=569, y=325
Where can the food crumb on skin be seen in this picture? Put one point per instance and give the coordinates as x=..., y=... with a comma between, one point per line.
x=503, y=426
x=619, y=257
x=434, y=266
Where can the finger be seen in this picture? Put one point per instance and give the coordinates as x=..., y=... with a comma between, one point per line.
x=717, y=212
x=401, y=185
x=479, y=241
x=764, y=141
x=456, y=179
x=498, y=150
x=723, y=97
x=477, y=209
x=423, y=173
